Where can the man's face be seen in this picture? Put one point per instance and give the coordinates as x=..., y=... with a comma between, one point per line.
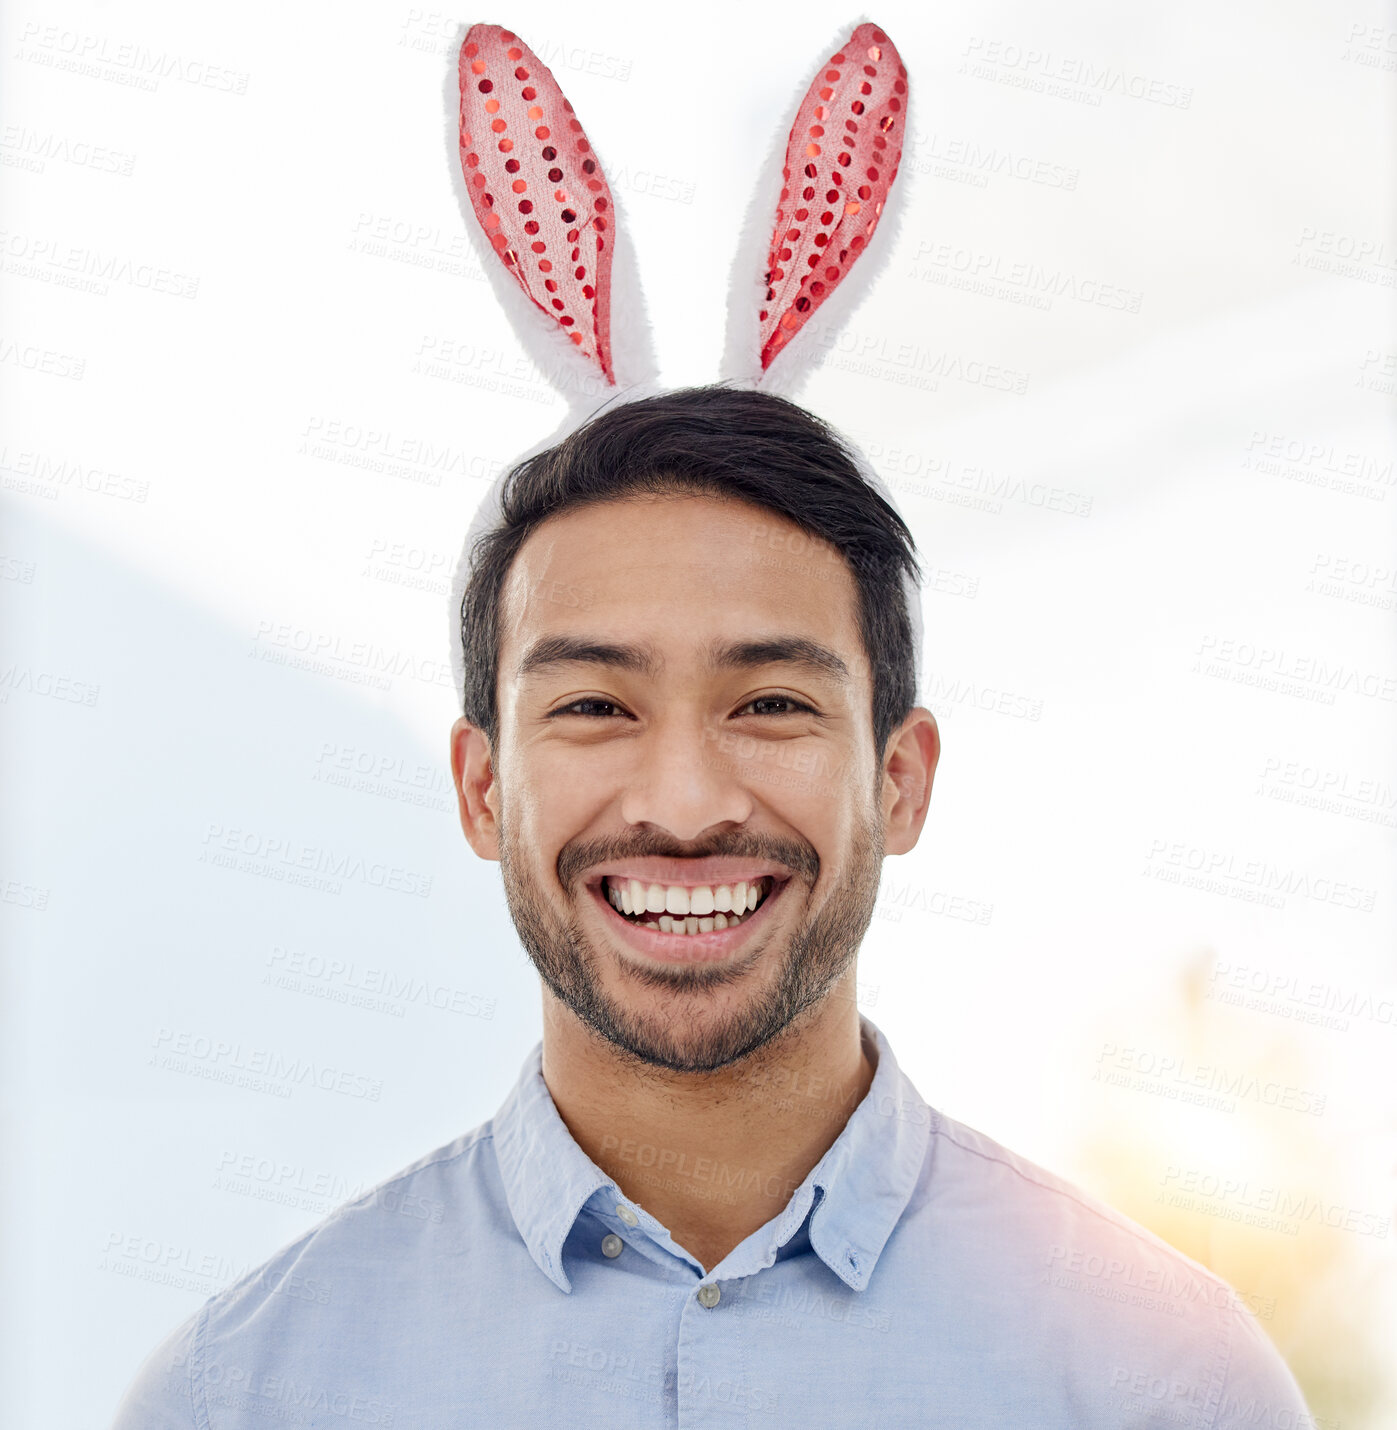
x=651, y=750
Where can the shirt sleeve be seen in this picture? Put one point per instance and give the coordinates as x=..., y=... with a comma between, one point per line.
x=1259, y=1388
x=161, y=1397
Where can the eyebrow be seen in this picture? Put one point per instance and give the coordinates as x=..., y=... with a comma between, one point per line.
x=551, y=651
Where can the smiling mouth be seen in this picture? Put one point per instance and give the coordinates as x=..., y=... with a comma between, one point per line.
x=732, y=905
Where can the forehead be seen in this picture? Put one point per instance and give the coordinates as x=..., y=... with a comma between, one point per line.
x=679, y=571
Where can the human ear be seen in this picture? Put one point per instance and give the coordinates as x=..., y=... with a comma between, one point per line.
x=909, y=767
x=477, y=796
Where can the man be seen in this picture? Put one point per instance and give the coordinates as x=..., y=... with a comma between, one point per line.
x=712, y=1198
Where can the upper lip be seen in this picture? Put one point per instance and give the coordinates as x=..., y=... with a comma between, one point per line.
x=691, y=873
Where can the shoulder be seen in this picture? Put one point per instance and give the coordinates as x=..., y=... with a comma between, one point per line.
x=161, y=1397
x=437, y=1196
x=315, y=1289
x=1145, y=1328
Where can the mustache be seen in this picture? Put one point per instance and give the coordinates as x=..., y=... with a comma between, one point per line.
x=796, y=854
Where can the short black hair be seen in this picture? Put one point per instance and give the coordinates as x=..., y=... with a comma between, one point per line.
x=727, y=442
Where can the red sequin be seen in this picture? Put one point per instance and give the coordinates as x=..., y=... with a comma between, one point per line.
x=583, y=309
x=799, y=268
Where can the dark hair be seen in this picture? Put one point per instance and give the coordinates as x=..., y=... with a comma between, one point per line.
x=731, y=442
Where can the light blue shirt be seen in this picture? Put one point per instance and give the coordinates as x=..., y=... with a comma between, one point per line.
x=920, y=1276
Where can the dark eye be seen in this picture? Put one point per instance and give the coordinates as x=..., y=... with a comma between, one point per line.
x=787, y=700
x=576, y=708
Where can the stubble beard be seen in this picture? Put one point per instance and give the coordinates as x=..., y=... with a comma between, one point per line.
x=691, y=1038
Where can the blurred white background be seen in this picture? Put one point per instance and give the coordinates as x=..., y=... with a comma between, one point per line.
x=1129, y=372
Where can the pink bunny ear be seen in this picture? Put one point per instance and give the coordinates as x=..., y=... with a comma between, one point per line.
x=841, y=160
x=538, y=192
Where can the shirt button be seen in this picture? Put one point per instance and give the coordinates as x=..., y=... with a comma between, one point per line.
x=611, y=1244
x=708, y=1294
x=627, y=1215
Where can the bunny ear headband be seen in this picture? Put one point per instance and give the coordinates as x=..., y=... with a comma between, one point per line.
x=559, y=258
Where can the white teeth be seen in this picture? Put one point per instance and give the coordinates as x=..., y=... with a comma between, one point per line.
x=699, y=909
x=690, y=924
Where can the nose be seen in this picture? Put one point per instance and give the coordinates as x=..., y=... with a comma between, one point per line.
x=681, y=782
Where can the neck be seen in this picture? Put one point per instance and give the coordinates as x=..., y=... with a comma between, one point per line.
x=713, y=1156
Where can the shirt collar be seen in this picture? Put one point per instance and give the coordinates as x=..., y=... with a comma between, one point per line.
x=858, y=1189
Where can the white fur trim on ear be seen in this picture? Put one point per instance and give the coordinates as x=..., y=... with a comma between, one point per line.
x=632, y=336
x=574, y=376
x=806, y=351
x=747, y=290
